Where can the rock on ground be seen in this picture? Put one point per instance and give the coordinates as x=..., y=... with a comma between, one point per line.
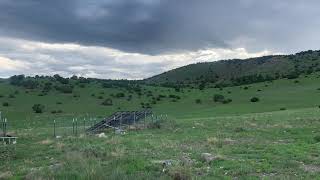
x=208, y=158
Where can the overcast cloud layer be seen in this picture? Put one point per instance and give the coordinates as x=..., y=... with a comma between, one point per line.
x=139, y=38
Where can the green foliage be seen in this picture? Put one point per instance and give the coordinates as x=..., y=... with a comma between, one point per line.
x=317, y=138
x=60, y=79
x=107, y=102
x=5, y=104
x=240, y=72
x=120, y=95
x=254, y=99
x=218, y=98
x=198, y=101
x=12, y=96
x=38, y=108
x=65, y=88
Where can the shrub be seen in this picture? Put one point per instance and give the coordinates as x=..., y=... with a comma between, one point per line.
x=120, y=95
x=317, y=138
x=239, y=129
x=30, y=84
x=1, y=96
x=59, y=102
x=218, y=98
x=82, y=85
x=172, y=96
x=198, y=101
x=67, y=89
x=107, y=102
x=254, y=99
x=5, y=104
x=227, y=101
x=47, y=87
x=283, y=109
x=38, y=108
x=12, y=96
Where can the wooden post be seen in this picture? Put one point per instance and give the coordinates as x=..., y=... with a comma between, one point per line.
x=134, y=118
x=84, y=124
x=76, y=126
x=54, y=128
x=5, y=127
x=114, y=125
x=144, y=121
x=73, y=126
x=120, y=121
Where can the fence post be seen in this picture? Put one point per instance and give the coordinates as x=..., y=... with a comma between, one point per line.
x=144, y=120
x=120, y=120
x=84, y=124
x=134, y=118
x=76, y=126
x=73, y=126
x=114, y=125
x=54, y=128
x=5, y=127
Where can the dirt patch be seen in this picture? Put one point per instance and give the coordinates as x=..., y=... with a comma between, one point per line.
x=46, y=142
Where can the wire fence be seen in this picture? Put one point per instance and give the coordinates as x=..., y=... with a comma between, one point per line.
x=67, y=125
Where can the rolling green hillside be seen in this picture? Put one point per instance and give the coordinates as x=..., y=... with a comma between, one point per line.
x=238, y=72
x=272, y=136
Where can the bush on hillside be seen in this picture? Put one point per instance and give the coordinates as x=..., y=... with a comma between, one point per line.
x=67, y=89
x=227, y=101
x=30, y=84
x=5, y=104
x=11, y=96
x=120, y=95
x=198, y=101
x=254, y=99
x=107, y=102
x=218, y=98
x=47, y=87
x=38, y=108
x=317, y=138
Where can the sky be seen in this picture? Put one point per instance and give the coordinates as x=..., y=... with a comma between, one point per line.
x=136, y=39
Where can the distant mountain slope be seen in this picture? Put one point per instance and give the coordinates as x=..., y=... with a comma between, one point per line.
x=237, y=72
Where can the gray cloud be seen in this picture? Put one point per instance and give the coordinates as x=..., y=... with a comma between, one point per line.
x=157, y=26
x=37, y=58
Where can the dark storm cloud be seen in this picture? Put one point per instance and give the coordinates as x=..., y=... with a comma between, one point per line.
x=156, y=26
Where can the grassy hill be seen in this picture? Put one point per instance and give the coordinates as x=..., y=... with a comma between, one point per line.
x=275, y=137
x=239, y=72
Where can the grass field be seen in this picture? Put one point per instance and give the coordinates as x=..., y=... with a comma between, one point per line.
x=248, y=140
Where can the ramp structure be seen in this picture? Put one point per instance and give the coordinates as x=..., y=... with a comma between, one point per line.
x=117, y=119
